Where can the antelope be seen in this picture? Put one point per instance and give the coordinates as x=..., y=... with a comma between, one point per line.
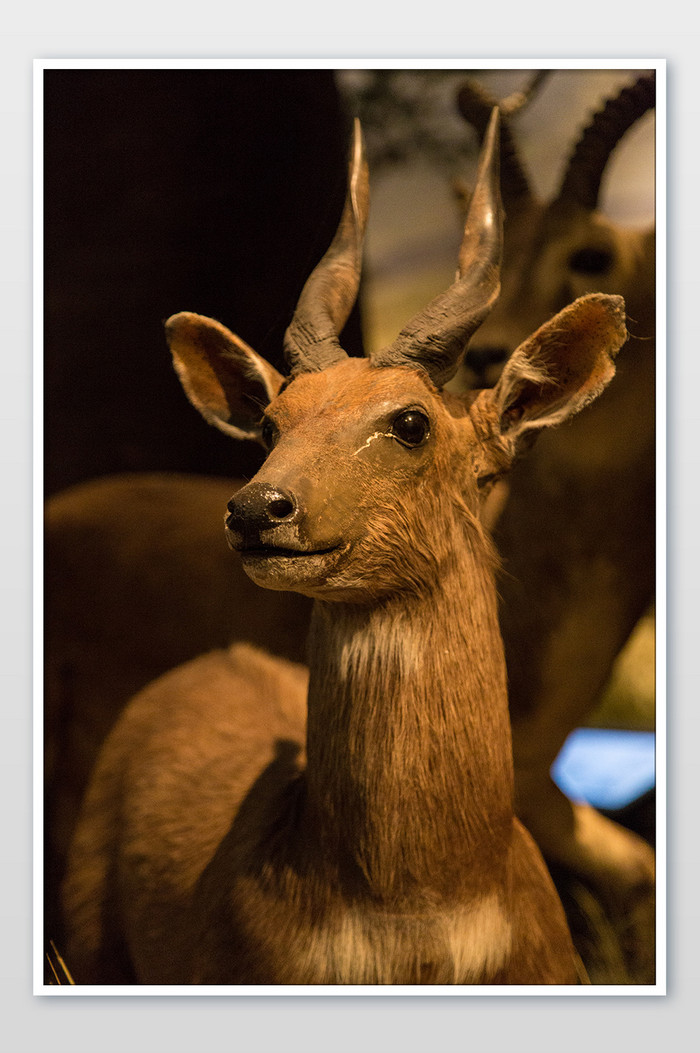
x=572, y=595
x=249, y=822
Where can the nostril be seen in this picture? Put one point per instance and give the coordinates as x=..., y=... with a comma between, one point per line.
x=259, y=506
x=281, y=508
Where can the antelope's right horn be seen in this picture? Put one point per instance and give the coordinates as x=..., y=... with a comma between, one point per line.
x=311, y=341
x=436, y=338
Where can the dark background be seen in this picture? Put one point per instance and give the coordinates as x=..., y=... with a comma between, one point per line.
x=215, y=191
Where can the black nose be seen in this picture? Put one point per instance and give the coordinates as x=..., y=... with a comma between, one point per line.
x=257, y=507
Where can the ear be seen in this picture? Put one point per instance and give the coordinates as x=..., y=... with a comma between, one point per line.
x=223, y=378
x=562, y=367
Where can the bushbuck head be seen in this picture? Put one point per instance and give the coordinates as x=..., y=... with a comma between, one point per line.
x=558, y=250
x=373, y=469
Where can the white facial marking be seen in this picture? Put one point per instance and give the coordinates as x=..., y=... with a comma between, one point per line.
x=377, y=435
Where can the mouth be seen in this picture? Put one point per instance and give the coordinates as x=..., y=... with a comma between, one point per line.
x=264, y=552
x=295, y=569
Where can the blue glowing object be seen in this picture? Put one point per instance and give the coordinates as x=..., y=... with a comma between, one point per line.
x=607, y=768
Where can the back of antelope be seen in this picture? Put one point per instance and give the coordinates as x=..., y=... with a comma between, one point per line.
x=251, y=823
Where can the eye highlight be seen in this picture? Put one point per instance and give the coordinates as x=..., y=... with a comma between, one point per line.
x=411, y=428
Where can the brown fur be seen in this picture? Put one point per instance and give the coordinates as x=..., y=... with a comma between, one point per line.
x=220, y=843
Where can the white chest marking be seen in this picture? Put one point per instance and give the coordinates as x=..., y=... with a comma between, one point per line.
x=463, y=946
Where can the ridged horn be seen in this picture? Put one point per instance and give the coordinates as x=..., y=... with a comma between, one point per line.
x=584, y=172
x=436, y=338
x=311, y=341
x=476, y=105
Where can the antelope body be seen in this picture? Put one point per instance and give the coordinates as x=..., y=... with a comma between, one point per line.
x=247, y=825
x=584, y=498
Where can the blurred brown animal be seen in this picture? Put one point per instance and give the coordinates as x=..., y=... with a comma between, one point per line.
x=225, y=838
x=138, y=579
x=575, y=523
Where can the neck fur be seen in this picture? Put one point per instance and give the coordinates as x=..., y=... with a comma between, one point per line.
x=409, y=776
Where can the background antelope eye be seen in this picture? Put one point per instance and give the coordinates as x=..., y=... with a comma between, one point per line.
x=411, y=427
x=268, y=434
x=591, y=261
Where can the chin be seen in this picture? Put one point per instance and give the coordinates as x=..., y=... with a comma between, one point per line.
x=308, y=573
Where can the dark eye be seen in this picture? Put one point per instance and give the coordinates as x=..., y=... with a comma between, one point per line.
x=268, y=434
x=591, y=261
x=411, y=427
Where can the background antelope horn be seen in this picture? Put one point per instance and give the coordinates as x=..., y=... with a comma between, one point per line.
x=436, y=338
x=311, y=341
x=584, y=172
x=476, y=106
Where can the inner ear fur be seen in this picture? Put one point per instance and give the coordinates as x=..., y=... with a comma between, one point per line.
x=562, y=367
x=228, y=382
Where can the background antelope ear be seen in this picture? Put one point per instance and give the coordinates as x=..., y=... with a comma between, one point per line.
x=562, y=367
x=222, y=376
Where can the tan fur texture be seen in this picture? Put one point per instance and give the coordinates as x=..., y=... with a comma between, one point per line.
x=221, y=841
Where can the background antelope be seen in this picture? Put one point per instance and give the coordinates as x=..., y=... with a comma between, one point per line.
x=220, y=842
x=571, y=597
